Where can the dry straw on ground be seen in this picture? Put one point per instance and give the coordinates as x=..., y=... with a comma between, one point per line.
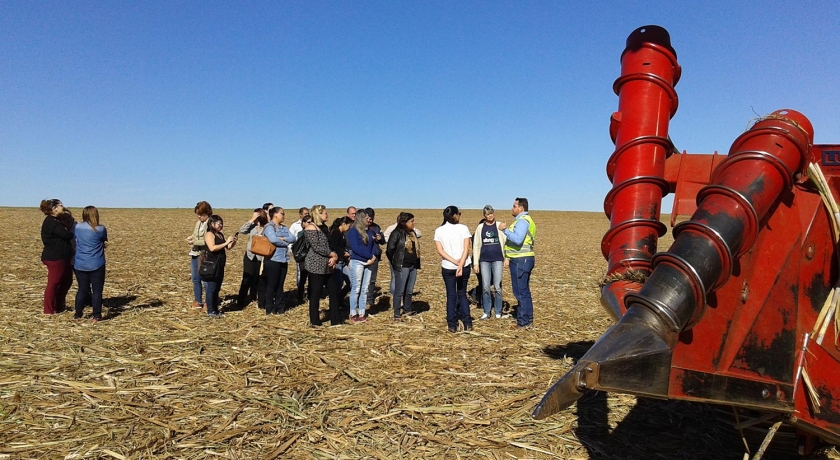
x=159, y=380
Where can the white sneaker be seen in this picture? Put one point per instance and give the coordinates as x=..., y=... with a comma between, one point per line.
x=484, y=316
x=498, y=316
x=505, y=316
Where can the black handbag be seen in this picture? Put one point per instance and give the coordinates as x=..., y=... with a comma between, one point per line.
x=300, y=248
x=208, y=265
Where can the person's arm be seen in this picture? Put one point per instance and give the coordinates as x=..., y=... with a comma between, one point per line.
x=61, y=231
x=518, y=233
x=476, y=247
x=354, y=240
x=248, y=226
x=464, y=256
x=210, y=242
x=443, y=253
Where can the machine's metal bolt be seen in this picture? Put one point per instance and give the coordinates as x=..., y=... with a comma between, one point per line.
x=809, y=253
x=765, y=393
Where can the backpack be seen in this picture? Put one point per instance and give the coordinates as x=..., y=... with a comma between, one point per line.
x=300, y=248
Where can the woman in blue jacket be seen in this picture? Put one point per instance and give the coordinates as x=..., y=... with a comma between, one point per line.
x=363, y=247
x=89, y=263
x=276, y=268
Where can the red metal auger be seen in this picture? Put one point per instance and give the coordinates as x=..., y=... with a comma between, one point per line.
x=736, y=311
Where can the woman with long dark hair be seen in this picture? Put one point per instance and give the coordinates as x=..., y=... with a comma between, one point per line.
x=252, y=284
x=403, y=253
x=203, y=211
x=57, y=256
x=340, y=274
x=452, y=241
x=89, y=263
x=216, y=244
x=277, y=266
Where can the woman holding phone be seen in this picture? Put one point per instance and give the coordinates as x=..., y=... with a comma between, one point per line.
x=216, y=244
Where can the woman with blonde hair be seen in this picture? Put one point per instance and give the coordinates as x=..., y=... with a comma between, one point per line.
x=89, y=263
x=57, y=256
x=489, y=260
x=362, y=244
x=320, y=259
x=196, y=241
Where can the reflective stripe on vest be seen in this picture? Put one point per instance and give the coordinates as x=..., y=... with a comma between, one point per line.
x=526, y=249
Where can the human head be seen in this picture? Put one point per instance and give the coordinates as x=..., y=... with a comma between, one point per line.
x=319, y=214
x=304, y=211
x=520, y=205
x=277, y=214
x=305, y=219
x=91, y=215
x=403, y=221
x=362, y=223
x=203, y=210
x=451, y=214
x=489, y=214
x=262, y=216
x=351, y=212
x=215, y=221
x=343, y=223
x=267, y=206
x=52, y=207
x=371, y=213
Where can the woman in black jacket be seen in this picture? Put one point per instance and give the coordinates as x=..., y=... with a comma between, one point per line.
x=58, y=251
x=403, y=253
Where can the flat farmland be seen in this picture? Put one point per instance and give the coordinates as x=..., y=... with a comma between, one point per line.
x=158, y=379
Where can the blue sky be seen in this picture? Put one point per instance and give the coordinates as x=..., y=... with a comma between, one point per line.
x=386, y=104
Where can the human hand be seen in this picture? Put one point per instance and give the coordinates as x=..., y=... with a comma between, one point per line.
x=476, y=269
x=190, y=239
x=459, y=271
x=254, y=217
x=507, y=263
x=502, y=226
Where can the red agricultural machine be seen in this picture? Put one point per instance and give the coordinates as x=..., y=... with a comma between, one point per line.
x=742, y=309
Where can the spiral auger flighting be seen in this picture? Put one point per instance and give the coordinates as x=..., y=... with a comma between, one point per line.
x=639, y=129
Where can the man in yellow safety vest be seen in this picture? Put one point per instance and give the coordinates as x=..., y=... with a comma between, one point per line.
x=519, y=250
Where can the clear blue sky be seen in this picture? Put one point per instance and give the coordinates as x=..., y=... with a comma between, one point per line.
x=375, y=103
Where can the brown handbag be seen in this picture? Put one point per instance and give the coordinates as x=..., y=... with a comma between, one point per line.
x=261, y=246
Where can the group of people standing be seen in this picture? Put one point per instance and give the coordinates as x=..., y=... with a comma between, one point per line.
x=337, y=259
x=494, y=246
x=71, y=247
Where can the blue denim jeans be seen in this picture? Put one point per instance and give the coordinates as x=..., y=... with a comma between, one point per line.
x=359, y=280
x=520, y=278
x=198, y=285
x=371, y=292
x=457, y=305
x=404, y=280
x=491, y=274
x=213, y=288
x=91, y=284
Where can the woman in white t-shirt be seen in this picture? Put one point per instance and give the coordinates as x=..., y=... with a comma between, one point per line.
x=452, y=240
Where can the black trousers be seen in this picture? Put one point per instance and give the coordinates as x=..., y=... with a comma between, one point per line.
x=275, y=278
x=250, y=285
x=316, y=288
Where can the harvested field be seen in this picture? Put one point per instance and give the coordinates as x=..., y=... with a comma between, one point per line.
x=157, y=379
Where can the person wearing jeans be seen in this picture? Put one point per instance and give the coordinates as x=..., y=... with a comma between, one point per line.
x=196, y=241
x=276, y=267
x=89, y=263
x=403, y=253
x=452, y=241
x=362, y=243
x=519, y=248
x=488, y=252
